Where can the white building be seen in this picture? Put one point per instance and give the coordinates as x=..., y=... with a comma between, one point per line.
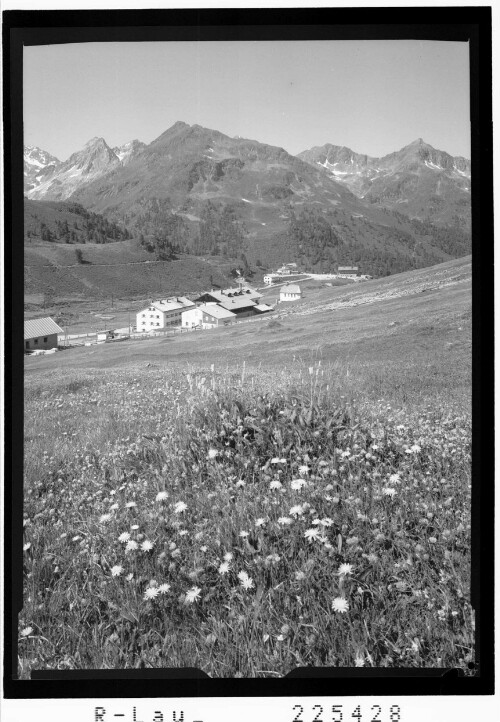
x=163, y=314
x=207, y=315
x=290, y=292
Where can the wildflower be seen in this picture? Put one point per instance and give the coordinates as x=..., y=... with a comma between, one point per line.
x=113, y=507
x=76, y=538
x=134, y=527
x=26, y=631
x=432, y=540
x=296, y=510
x=162, y=495
x=275, y=484
x=228, y=556
x=299, y=576
x=212, y=453
x=388, y=491
x=415, y=448
x=284, y=520
x=124, y=537
x=179, y=507
x=304, y=469
x=203, y=549
x=131, y=545
x=246, y=581
x=243, y=534
x=130, y=504
x=26, y=546
x=340, y=604
x=345, y=569
x=104, y=518
x=280, y=638
x=326, y=521
x=260, y=521
x=311, y=534
x=395, y=478
x=183, y=532
x=146, y=545
x=164, y=588
x=151, y=593
x=240, y=483
x=116, y=570
x=297, y=484
x=192, y=595
x=273, y=558
x=224, y=568
x=359, y=660
x=129, y=577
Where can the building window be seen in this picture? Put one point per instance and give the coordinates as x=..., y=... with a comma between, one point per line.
x=36, y=340
x=27, y=344
x=45, y=339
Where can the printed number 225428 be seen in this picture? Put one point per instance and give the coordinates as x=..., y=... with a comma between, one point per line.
x=341, y=713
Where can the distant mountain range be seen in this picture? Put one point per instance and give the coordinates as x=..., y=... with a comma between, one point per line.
x=417, y=180
x=408, y=209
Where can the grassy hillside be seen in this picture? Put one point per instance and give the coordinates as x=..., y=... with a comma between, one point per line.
x=67, y=222
x=124, y=270
x=282, y=493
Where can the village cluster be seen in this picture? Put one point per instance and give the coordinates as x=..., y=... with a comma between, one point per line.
x=211, y=309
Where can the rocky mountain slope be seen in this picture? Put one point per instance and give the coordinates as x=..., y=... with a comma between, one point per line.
x=38, y=164
x=417, y=180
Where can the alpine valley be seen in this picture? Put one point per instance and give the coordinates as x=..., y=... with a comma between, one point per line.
x=198, y=196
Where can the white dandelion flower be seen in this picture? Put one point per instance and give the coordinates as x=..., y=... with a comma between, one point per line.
x=162, y=495
x=224, y=568
x=192, y=595
x=296, y=510
x=345, y=569
x=311, y=534
x=260, y=521
x=275, y=484
x=228, y=556
x=340, y=604
x=146, y=545
x=151, y=593
x=297, y=484
x=284, y=520
x=130, y=504
x=26, y=631
x=245, y=580
x=116, y=570
x=105, y=518
x=131, y=545
x=164, y=588
x=359, y=661
x=244, y=534
x=212, y=453
x=389, y=491
x=304, y=469
x=179, y=507
x=124, y=537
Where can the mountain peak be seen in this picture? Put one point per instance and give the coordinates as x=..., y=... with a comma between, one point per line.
x=96, y=141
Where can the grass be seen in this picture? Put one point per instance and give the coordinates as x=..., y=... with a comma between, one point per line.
x=250, y=512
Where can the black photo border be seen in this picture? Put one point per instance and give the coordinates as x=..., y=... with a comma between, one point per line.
x=466, y=24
